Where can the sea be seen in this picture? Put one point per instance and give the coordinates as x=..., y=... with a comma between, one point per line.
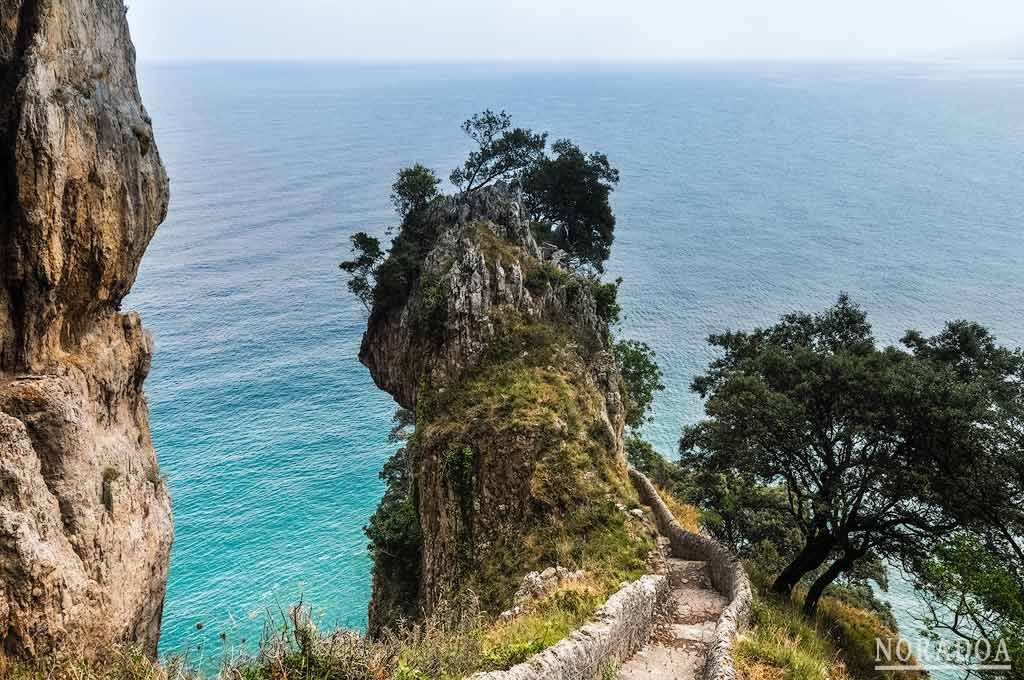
x=747, y=190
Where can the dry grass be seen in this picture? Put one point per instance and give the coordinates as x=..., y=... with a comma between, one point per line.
x=855, y=631
x=784, y=644
x=687, y=515
x=126, y=663
x=837, y=644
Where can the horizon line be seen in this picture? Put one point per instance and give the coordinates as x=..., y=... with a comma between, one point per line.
x=549, y=61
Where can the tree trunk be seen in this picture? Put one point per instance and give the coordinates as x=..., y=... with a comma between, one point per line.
x=843, y=564
x=813, y=555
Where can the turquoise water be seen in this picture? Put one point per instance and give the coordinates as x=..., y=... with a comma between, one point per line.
x=747, y=191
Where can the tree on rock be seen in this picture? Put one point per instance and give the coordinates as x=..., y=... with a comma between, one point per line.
x=414, y=189
x=569, y=194
x=362, y=269
x=566, y=194
x=502, y=152
x=379, y=277
x=877, y=448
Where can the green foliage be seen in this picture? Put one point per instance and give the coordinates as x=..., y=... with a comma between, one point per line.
x=642, y=456
x=878, y=450
x=753, y=519
x=396, y=275
x=597, y=538
x=546, y=274
x=975, y=578
x=975, y=592
x=861, y=595
x=529, y=399
x=433, y=309
x=783, y=639
x=511, y=653
x=641, y=377
x=569, y=194
x=838, y=643
x=544, y=624
x=120, y=663
x=606, y=296
x=502, y=152
x=363, y=267
x=382, y=281
x=458, y=467
x=414, y=189
x=394, y=528
x=405, y=672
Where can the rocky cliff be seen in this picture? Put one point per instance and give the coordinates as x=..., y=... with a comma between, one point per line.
x=504, y=357
x=85, y=518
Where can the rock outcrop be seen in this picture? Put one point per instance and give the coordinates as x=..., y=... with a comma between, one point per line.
x=477, y=265
x=505, y=358
x=85, y=518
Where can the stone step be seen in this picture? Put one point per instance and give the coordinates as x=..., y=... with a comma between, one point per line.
x=677, y=652
x=661, y=661
x=687, y=573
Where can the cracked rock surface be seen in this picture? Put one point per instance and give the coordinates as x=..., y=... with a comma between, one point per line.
x=85, y=518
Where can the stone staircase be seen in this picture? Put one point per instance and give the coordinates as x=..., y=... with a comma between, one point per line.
x=677, y=649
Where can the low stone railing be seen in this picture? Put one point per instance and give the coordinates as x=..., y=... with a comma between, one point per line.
x=727, y=576
x=627, y=620
x=618, y=630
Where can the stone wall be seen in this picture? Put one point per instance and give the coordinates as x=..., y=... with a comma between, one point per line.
x=621, y=627
x=727, y=575
x=625, y=623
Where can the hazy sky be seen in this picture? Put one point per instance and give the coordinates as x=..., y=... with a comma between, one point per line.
x=574, y=29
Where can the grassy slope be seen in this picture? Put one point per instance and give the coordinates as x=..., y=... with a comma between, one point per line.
x=837, y=644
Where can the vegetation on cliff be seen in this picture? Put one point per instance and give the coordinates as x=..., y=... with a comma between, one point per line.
x=515, y=395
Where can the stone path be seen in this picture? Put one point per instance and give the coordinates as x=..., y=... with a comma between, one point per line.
x=677, y=649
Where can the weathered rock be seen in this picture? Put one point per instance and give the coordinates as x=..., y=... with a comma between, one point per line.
x=538, y=584
x=85, y=520
x=472, y=285
x=486, y=464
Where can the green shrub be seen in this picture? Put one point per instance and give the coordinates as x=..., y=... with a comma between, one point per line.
x=641, y=378
x=458, y=467
x=433, y=309
x=547, y=274
x=606, y=295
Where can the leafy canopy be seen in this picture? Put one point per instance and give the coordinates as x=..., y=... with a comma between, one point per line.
x=975, y=578
x=502, y=152
x=641, y=377
x=568, y=194
x=362, y=268
x=876, y=449
x=414, y=189
x=378, y=279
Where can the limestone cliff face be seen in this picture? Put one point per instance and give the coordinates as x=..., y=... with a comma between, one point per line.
x=519, y=414
x=85, y=519
x=467, y=272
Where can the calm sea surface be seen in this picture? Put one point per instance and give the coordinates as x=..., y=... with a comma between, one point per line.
x=747, y=191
